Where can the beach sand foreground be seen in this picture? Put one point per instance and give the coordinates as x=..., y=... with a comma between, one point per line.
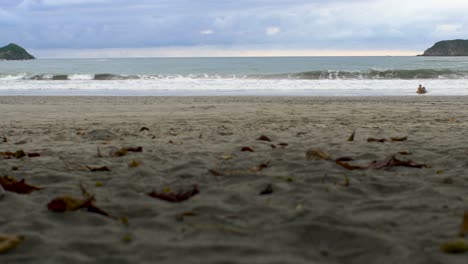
x=270, y=203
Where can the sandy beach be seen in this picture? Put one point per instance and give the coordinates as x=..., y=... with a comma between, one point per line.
x=282, y=199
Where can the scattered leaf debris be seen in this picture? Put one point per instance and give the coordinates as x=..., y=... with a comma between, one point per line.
x=127, y=238
x=317, y=154
x=464, y=225
x=397, y=139
x=182, y=216
x=9, y=242
x=351, y=138
x=174, y=197
x=404, y=153
x=268, y=190
x=8, y=154
x=227, y=157
x=137, y=149
x=97, y=169
x=134, y=164
x=215, y=173
x=67, y=203
x=456, y=246
x=380, y=140
x=344, y=159
x=285, y=178
x=391, y=161
x=12, y=185
x=261, y=167
x=264, y=138
x=123, y=151
x=247, y=149
x=18, y=154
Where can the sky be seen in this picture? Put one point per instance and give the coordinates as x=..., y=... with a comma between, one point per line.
x=185, y=28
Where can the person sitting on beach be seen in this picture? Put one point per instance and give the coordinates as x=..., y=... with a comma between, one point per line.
x=421, y=89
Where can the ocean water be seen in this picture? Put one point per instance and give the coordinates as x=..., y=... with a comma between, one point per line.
x=326, y=76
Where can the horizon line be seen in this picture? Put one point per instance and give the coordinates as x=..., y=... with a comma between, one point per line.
x=210, y=52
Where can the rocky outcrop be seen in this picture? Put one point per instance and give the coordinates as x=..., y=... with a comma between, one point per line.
x=14, y=52
x=458, y=47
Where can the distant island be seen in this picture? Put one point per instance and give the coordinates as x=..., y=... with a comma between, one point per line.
x=14, y=52
x=457, y=47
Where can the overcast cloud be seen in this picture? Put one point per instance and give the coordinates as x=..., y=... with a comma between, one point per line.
x=244, y=25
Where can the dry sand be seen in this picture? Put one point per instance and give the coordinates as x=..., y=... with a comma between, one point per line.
x=318, y=212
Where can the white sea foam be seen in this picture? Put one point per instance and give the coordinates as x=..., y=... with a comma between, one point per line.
x=81, y=76
x=190, y=86
x=249, y=76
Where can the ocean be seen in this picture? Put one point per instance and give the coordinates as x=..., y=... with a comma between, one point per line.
x=319, y=76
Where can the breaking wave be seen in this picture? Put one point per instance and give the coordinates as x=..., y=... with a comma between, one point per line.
x=308, y=75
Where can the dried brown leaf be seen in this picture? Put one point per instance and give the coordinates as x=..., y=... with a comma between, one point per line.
x=261, y=167
x=9, y=242
x=351, y=138
x=404, y=153
x=119, y=153
x=12, y=185
x=264, y=138
x=134, y=164
x=380, y=140
x=99, y=154
x=317, y=154
x=247, y=149
x=215, y=173
x=349, y=166
x=344, y=159
x=137, y=149
x=8, y=154
x=391, y=161
x=396, y=139
x=268, y=190
x=124, y=151
x=174, y=197
x=96, y=169
x=456, y=246
x=68, y=204
x=464, y=225
x=227, y=157
x=181, y=217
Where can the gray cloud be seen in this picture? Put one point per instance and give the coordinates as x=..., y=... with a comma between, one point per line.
x=291, y=24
